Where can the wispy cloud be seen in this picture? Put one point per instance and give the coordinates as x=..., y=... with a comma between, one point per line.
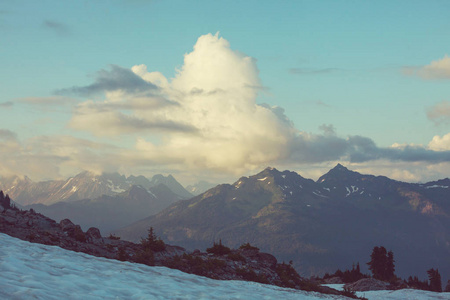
x=58, y=28
x=438, y=69
x=117, y=78
x=440, y=113
x=48, y=101
x=6, y=104
x=6, y=134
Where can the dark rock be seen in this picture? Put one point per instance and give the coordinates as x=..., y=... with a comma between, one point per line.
x=78, y=234
x=66, y=225
x=334, y=280
x=367, y=284
x=93, y=236
x=267, y=259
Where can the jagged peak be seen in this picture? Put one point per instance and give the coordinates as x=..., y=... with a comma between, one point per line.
x=340, y=168
x=338, y=172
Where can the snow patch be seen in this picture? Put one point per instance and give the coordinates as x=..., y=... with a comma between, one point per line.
x=284, y=176
x=262, y=179
x=436, y=186
x=35, y=271
x=319, y=195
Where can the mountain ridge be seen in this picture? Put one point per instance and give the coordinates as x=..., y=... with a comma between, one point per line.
x=314, y=223
x=85, y=185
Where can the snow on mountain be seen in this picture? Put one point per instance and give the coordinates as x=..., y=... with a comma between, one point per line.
x=85, y=185
x=199, y=187
x=35, y=271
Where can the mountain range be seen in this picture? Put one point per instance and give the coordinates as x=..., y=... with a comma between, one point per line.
x=108, y=201
x=321, y=225
x=85, y=185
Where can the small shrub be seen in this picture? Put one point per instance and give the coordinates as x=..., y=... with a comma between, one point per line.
x=113, y=237
x=247, y=246
x=236, y=257
x=122, y=255
x=145, y=256
x=218, y=249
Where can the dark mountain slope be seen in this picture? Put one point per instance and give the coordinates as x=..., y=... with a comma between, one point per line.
x=320, y=225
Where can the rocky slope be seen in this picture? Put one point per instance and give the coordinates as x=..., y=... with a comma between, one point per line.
x=322, y=225
x=242, y=264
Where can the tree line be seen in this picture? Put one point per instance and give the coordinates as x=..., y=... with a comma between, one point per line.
x=382, y=267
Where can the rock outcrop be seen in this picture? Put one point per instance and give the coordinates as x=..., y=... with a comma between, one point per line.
x=367, y=284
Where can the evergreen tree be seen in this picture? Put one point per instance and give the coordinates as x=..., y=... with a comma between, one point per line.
x=2, y=196
x=381, y=264
x=435, y=280
x=390, y=267
x=7, y=201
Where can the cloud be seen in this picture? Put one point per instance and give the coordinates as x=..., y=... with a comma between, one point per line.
x=7, y=135
x=203, y=121
x=59, y=28
x=48, y=101
x=117, y=78
x=440, y=112
x=438, y=69
x=440, y=143
x=6, y=104
x=312, y=71
x=49, y=157
x=207, y=118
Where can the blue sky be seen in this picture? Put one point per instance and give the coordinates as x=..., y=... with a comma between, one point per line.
x=339, y=69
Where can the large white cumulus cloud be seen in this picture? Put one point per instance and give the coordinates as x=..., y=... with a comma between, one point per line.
x=216, y=89
x=206, y=118
x=209, y=113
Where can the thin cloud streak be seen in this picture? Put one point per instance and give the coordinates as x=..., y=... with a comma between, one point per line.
x=59, y=28
x=117, y=78
x=6, y=104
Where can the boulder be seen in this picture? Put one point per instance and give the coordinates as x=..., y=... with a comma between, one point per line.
x=93, y=236
x=267, y=259
x=367, y=284
x=334, y=280
x=66, y=225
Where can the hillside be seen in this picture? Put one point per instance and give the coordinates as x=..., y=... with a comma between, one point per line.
x=322, y=225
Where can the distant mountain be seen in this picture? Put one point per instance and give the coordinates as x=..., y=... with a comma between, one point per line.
x=85, y=185
x=172, y=184
x=199, y=187
x=109, y=213
x=322, y=225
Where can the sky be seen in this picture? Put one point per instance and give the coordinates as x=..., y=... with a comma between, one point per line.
x=214, y=90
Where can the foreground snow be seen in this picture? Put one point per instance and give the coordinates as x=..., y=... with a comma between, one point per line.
x=30, y=271
x=396, y=295
x=35, y=271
